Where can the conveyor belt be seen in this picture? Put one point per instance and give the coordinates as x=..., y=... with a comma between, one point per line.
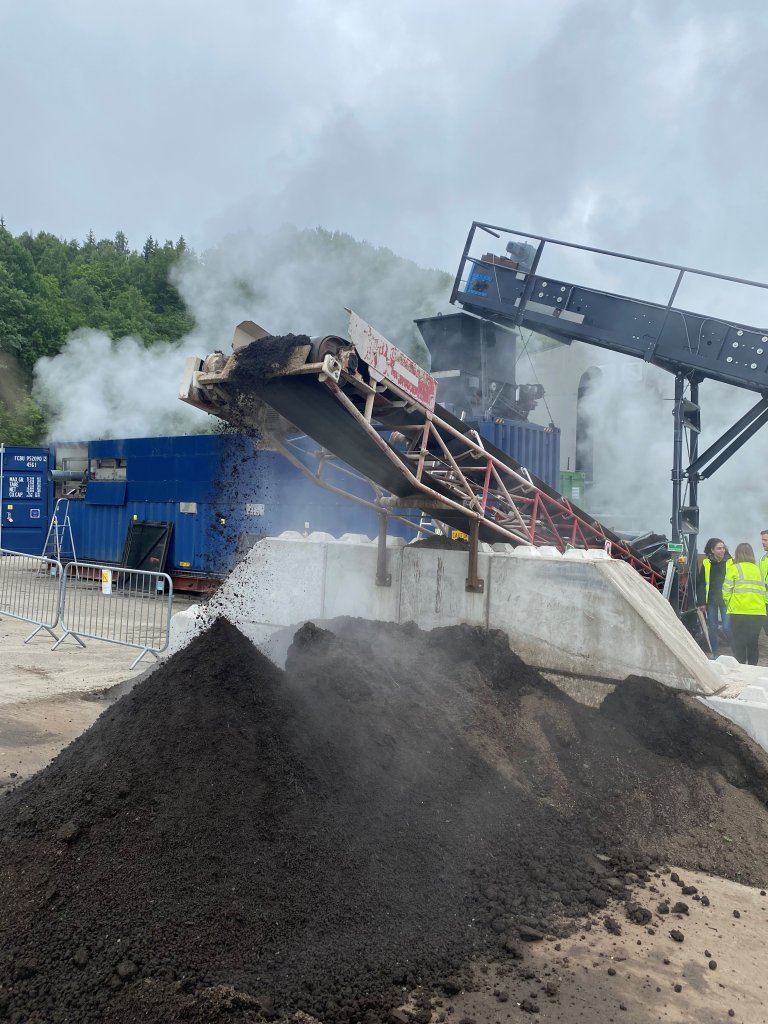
x=315, y=411
x=380, y=418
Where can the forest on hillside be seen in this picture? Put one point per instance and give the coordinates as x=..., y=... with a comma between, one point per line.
x=51, y=287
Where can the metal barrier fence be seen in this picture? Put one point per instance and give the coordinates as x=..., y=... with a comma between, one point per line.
x=31, y=590
x=122, y=606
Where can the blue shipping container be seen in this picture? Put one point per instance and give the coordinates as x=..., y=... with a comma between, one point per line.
x=26, y=498
x=536, y=448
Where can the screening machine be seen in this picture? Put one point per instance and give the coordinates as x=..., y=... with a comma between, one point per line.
x=369, y=405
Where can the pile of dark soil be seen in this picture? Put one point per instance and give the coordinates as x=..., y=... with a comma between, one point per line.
x=230, y=842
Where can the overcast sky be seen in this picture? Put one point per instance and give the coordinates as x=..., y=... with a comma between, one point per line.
x=636, y=125
x=629, y=125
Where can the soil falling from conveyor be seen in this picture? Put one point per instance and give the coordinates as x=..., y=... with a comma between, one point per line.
x=325, y=837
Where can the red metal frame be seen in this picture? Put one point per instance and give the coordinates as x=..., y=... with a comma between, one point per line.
x=490, y=491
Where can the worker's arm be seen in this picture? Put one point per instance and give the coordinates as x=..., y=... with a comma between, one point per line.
x=728, y=587
x=701, y=587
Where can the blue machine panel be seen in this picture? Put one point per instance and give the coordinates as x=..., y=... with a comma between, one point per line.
x=26, y=498
x=105, y=492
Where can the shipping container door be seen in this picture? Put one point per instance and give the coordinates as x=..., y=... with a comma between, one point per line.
x=25, y=499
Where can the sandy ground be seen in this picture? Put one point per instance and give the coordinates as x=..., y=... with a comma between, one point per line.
x=632, y=978
x=48, y=698
x=32, y=672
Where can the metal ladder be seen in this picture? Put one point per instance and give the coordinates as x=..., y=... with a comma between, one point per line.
x=59, y=542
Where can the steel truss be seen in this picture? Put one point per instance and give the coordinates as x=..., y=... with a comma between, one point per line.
x=476, y=485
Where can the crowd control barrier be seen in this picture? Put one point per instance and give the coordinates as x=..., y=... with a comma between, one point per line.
x=31, y=590
x=121, y=606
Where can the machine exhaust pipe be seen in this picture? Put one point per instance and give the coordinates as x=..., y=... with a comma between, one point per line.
x=58, y=475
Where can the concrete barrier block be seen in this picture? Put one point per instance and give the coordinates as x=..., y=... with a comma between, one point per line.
x=725, y=662
x=318, y=537
x=278, y=582
x=290, y=535
x=557, y=614
x=752, y=717
x=665, y=640
x=185, y=626
x=586, y=554
x=349, y=583
x=756, y=694
x=354, y=538
x=561, y=613
x=433, y=593
x=550, y=552
x=526, y=551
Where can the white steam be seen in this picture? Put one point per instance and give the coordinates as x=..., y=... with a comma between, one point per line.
x=629, y=411
x=299, y=282
x=292, y=281
x=96, y=388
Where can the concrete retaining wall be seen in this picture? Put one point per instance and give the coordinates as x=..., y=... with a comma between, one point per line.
x=742, y=696
x=582, y=613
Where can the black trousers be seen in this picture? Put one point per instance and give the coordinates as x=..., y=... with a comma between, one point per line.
x=745, y=630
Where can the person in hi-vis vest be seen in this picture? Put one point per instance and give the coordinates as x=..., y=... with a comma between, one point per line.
x=709, y=590
x=745, y=596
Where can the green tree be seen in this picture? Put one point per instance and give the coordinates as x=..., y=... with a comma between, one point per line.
x=23, y=423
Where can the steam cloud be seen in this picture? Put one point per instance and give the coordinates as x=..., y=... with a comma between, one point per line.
x=96, y=388
x=289, y=282
x=296, y=281
x=631, y=424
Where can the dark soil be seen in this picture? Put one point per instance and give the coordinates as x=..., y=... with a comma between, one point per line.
x=259, y=362
x=230, y=842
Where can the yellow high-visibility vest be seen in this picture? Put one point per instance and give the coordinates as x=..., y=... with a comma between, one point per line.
x=706, y=565
x=744, y=590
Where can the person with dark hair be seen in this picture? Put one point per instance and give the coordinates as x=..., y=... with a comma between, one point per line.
x=709, y=590
x=745, y=595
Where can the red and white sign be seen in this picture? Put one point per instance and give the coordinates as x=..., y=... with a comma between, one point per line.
x=387, y=363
